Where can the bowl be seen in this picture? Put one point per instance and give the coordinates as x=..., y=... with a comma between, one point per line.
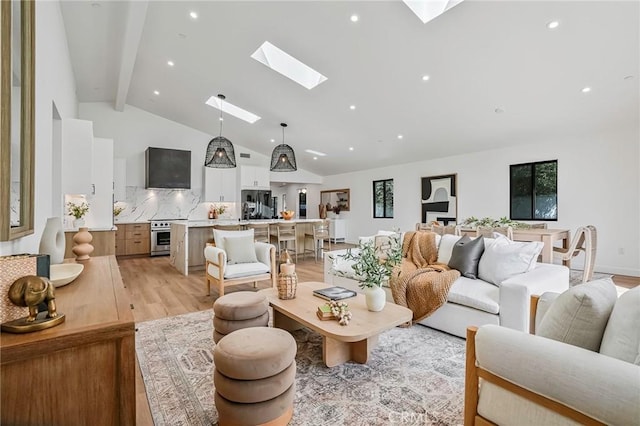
x=288, y=214
x=64, y=273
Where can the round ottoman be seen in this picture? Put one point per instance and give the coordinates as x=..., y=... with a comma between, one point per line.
x=238, y=310
x=254, y=376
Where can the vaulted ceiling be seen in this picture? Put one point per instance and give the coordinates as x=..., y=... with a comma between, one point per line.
x=497, y=75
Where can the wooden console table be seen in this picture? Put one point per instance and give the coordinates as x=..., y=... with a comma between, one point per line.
x=82, y=371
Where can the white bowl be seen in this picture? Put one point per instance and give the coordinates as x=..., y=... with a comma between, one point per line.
x=64, y=273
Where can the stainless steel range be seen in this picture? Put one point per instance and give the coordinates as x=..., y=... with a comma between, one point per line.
x=161, y=236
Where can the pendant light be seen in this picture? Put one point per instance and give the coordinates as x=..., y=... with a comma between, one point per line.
x=283, y=159
x=220, y=153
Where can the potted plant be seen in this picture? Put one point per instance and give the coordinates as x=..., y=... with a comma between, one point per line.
x=373, y=266
x=215, y=211
x=78, y=211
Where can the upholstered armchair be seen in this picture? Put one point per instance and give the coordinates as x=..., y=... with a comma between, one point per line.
x=237, y=259
x=581, y=367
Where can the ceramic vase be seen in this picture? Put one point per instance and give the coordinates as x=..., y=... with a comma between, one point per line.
x=52, y=240
x=78, y=223
x=82, y=248
x=376, y=298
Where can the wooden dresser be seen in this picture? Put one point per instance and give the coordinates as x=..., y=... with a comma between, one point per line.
x=81, y=372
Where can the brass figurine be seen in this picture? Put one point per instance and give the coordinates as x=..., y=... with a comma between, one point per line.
x=30, y=291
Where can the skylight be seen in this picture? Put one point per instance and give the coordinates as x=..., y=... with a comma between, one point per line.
x=310, y=151
x=288, y=66
x=229, y=108
x=427, y=10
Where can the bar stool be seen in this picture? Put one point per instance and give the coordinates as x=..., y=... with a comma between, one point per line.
x=260, y=232
x=319, y=235
x=285, y=232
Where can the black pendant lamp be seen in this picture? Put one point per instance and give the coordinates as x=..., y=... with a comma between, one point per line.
x=220, y=153
x=283, y=159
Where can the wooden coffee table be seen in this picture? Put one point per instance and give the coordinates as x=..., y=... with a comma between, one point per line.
x=339, y=343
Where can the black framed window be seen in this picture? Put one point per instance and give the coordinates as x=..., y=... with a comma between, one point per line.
x=383, y=198
x=534, y=191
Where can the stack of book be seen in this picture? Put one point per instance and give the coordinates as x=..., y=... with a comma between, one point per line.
x=324, y=313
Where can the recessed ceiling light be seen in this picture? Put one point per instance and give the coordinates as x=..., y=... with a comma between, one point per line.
x=193, y=15
x=425, y=78
x=350, y=148
x=155, y=92
x=315, y=158
x=272, y=140
x=318, y=153
x=352, y=107
x=287, y=65
x=221, y=119
x=231, y=109
x=427, y=10
x=553, y=25
x=400, y=136
x=354, y=18
x=586, y=89
x=170, y=63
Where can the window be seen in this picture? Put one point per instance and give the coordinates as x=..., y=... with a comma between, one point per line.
x=534, y=191
x=383, y=198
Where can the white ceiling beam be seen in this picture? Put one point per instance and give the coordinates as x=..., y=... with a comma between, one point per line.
x=131, y=42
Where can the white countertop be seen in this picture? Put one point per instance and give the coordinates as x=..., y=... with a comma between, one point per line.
x=96, y=229
x=209, y=223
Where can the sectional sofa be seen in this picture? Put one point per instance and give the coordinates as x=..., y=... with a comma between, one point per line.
x=509, y=275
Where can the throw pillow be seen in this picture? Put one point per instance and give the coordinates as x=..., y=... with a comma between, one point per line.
x=505, y=258
x=219, y=236
x=445, y=248
x=240, y=250
x=579, y=315
x=466, y=256
x=621, y=337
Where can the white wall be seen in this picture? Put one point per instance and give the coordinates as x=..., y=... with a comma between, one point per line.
x=598, y=184
x=54, y=84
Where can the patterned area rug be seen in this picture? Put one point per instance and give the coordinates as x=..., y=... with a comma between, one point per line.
x=414, y=377
x=575, y=276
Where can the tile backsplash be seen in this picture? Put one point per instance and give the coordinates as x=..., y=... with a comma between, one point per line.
x=147, y=204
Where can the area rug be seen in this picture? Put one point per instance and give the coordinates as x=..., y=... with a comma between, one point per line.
x=415, y=377
x=575, y=276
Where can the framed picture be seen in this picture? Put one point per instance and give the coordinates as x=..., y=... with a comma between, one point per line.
x=439, y=201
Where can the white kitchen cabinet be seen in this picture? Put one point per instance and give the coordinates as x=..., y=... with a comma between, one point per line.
x=101, y=203
x=77, y=157
x=254, y=177
x=220, y=185
x=119, y=179
x=337, y=230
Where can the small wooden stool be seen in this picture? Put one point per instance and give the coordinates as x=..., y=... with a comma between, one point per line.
x=254, y=377
x=238, y=310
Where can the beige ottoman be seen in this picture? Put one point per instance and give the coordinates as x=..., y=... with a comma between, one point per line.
x=254, y=377
x=238, y=310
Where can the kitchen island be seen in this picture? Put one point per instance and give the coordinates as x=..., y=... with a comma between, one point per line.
x=189, y=238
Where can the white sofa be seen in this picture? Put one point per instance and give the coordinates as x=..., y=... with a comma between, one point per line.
x=470, y=302
x=525, y=379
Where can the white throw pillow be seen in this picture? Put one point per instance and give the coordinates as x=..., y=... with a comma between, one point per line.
x=579, y=315
x=446, y=247
x=621, y=337
x=219, y=236
x=505, y=258
x=240, y=250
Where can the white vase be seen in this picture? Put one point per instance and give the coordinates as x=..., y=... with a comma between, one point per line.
x=376, y=298
x=78, y=223
x=52, y=240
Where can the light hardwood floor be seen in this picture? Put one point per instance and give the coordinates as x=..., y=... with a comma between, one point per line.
x=157, y=290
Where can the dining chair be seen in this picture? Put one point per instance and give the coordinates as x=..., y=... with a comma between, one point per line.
x=584, y=240
x=319, y=234
x=488, y=231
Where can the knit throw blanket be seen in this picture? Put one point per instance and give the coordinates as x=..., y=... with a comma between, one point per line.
x=420, y=283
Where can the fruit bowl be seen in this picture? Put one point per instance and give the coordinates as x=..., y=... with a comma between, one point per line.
x=288, y=214
x=64, y=273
